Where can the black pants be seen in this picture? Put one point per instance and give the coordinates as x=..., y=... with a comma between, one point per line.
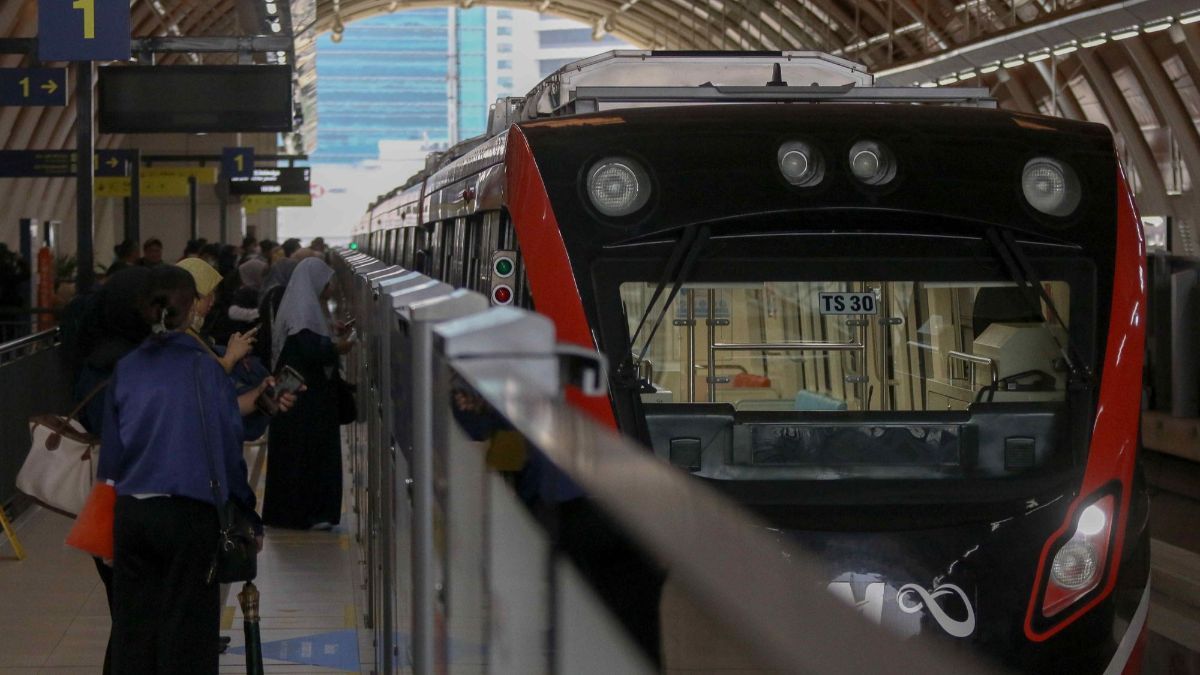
x=166, y=619
x=106, y=575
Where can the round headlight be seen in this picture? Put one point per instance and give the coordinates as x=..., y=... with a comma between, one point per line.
x=1050, y=186
x=872, y=163
x=800, y=164
x=618, y=186
x=1074, y=565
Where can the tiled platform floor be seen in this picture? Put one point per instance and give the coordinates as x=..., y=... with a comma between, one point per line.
x=54, y=616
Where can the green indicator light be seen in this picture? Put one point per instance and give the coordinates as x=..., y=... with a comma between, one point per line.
x=354, y=246
x=504, y=267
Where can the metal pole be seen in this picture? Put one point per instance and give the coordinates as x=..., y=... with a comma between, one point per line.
x=192, y=218
x=85, y=148
x=133, y=205
x=224, y=204
x=423, y=562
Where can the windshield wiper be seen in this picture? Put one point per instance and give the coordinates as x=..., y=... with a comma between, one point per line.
x=679, y=265
x=1020, y=269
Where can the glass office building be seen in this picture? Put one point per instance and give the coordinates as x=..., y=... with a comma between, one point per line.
x=389, y=78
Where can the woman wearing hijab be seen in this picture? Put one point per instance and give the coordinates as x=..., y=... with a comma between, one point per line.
x=269, y=297
x=169, y=412
x=304, y=476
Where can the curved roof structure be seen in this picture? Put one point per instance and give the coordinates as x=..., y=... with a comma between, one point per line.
x=1133, y=65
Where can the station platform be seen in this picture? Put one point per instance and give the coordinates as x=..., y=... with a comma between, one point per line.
x=56, y=620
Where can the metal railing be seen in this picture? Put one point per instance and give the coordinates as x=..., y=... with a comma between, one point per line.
x=497, y=570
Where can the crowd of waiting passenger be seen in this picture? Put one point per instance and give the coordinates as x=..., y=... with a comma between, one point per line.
x=181, y=360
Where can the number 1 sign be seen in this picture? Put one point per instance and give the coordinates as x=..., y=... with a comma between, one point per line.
x=83, y=30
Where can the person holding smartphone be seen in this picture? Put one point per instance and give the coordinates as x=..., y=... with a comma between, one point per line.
x=304, y=476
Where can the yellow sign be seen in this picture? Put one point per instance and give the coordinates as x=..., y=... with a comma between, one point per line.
x=255, y=203
x=205, y=175
x=151, y=186
x=112, y=187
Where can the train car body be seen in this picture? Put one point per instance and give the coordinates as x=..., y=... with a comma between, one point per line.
x=904, y=327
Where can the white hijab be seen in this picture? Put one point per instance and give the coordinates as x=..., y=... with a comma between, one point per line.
x=301, y=307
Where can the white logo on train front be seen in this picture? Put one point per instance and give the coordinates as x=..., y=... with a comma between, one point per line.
x=910, y=599
x=929, y=600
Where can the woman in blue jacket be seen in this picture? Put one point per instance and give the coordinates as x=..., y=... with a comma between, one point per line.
x=157, y=441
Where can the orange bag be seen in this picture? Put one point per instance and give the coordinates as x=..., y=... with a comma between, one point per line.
x=93, y=529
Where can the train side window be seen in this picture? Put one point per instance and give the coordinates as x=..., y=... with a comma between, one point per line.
x=474, y=251
x=446, y=251
x=387, y=247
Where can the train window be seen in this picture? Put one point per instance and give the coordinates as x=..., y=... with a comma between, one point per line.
x=407, y=246
x=834, y=346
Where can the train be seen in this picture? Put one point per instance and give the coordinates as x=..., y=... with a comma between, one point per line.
x=902, y=325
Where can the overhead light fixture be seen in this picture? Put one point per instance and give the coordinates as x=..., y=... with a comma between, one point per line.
x=275, y=27
x=1039, y=55
x=928, y=85
x=966, y=74
x=1125, y=33
x=1014, y=61
x=1094, y=41
x=1162, y=24
x=1066, y=48
x=949, y=79
x=989, y=67
x=272, y=8
x=1189, y=17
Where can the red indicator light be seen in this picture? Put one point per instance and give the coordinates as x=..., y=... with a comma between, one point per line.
x=502, y=295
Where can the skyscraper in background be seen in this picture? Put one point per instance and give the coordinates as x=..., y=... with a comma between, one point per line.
x=401, y=85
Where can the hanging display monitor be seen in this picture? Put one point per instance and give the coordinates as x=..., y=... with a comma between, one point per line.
x=272, y=181
x=195, y=99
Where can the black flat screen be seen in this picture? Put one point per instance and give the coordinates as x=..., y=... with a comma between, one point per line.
x=195, y=99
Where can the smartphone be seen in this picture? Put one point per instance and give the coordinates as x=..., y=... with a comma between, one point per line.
x=253, y=330
x=349, y=324
x=287, y=381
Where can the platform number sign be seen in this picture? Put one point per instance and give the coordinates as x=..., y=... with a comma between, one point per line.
x=83, y=30
x=237, y=162
x=33, y=86
x=847, y=303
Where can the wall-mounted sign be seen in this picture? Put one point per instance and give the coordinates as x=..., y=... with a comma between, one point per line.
x=272, y=181
x=33, y=86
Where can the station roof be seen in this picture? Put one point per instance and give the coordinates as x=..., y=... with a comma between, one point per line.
x=1132, y=65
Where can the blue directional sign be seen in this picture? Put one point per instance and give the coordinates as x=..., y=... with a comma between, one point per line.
x=111, y=163
x=83, y=30
x=37, y=163
x=237, y=162
x=33, y=86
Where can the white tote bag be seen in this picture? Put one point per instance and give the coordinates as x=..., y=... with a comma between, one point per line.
x=61, y=466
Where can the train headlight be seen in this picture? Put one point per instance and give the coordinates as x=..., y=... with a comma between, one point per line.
x=618, y=186
x=800, y=164
x=1050, y=186
x=872, y=162
x=1075, y=565
x=1079, y=565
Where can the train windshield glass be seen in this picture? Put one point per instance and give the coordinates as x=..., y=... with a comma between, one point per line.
x=905, y=346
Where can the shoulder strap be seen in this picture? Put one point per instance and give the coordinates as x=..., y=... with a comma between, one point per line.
x=87, y=399
x=213, y=481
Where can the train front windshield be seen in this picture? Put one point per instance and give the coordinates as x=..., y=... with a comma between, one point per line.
x=835, y=377
x=852, y=346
